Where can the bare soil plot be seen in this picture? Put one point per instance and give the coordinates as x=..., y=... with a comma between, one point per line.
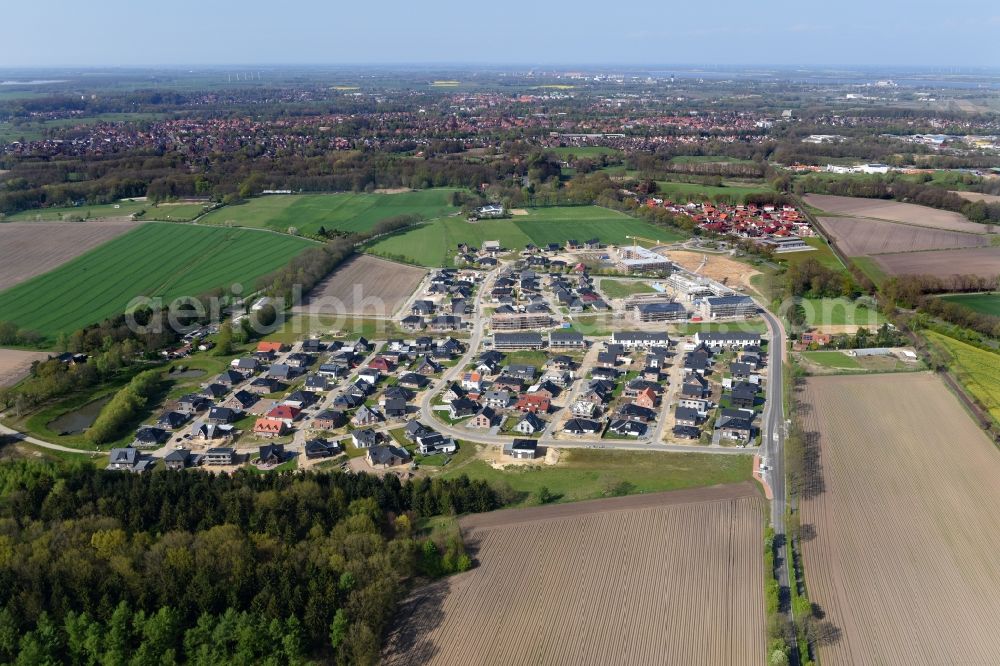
x=28, y=249
x=905, y=559
x=921, y=216
x=14, y=364
x=977, y=196
x=670, y=578
x=364, y=285
x=858, y=237
x=982, y=261
x=719, y=268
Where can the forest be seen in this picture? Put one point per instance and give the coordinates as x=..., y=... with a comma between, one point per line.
x=107, y=567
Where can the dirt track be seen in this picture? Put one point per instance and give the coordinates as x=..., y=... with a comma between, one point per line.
x=14, y=364
x=906, y=554
x=670, y=578
x=364, y=285
x=28, y=249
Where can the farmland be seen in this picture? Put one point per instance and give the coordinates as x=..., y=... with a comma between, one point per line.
x=364, y=284
x=985, y=303
x=22, y=256
x=691, y=592
x=893, y=211
x=942, y=263
x=435, y=244
x=858, y=237
x=905, y=555
x=696, y=192
x=166, y=212
x=349, y=212
x=977, y=369
x=155, y=260
x=14, y=364
x=822, y=253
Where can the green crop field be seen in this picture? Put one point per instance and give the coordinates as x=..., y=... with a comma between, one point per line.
x=984, y=303
x=343, y=212
x=166, y=212
x=699, y=193
x=840, y=312
x=155, y=260
x=977, y=369
x=435, y=244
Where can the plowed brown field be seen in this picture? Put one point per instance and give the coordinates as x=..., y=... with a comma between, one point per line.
x=943, y=263
x=671, y=578
x=14, y=364
x=906, y=554
x=858, y=237
x=894, y=211
x=28, y=249
x=364, y=285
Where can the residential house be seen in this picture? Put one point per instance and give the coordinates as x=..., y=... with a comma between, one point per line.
x=329, y=419
x=628, y=428
x=499, y=399
x=281, y=371
x=581, y=426
x=433, y=442
x=564, y=339
x=192, y=403
x=316, y=383
x=647, y=398
x=220, y=415
x=241, y=401
x=177, y=459
x=452, y=393
x=365, y=438
x=686, y=432
x=426, y=366
x=269, y=427
x=271, y=454
x=735, y=424
x=413, y=323
x=206, y=432
x=366, y=416
x=172, y=420
x=395, y=408
x=230, y=378
x=632, y=412
x=484, y=418
x=521, y=449
x=320, y=448
x=298, y=361
x=286, y=413
x=701, y=406
x=413, y=380
x=640, y=339
x=300, y=399
x=523, y=372
x=687, y=416
x=695, y=386
x=346, y=401
x=245, y=366
x=534, y=403
x=383, y=456
x=264, y=386
x=462, y=407
x=214, y=390
x=149, y=437
x=123, y=459
x=507, y=382
x=529, y=424
x=583, y=408
x=381, y=364
x=221, y=455
x=608, y=374
x=472, y=381
x=271, y=347
x=743, y=395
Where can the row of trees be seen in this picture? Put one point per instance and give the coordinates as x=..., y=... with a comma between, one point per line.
x=215, y=569
x=125, y=407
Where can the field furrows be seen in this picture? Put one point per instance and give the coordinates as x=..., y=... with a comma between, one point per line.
x=677, y=584
x=906, y=557
x=859, y=237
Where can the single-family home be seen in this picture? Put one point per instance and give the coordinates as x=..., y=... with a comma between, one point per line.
x=269, y=427
x=383, y=456
x=581, y=426
x=521, y=449
x=529, y=424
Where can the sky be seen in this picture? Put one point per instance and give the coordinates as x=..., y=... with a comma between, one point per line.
x=53, y=33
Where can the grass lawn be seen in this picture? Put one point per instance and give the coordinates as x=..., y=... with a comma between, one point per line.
x=839, y=312
x=823, y=254
x=167, y=212
x=526, y=357
x=700, y=159
x=870, y=267
x=750, y=326
x=621, y=289
x=985, y=303
x=343, y=212
x=698, y=193
x=297, y=327
x=435, y=244
x=977, y=369
x=155, y=260
x=832, y=359
x=589, y=474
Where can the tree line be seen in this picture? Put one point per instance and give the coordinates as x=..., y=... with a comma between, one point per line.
x=278, y=568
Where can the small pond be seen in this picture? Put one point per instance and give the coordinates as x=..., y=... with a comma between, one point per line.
x=78, y=420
